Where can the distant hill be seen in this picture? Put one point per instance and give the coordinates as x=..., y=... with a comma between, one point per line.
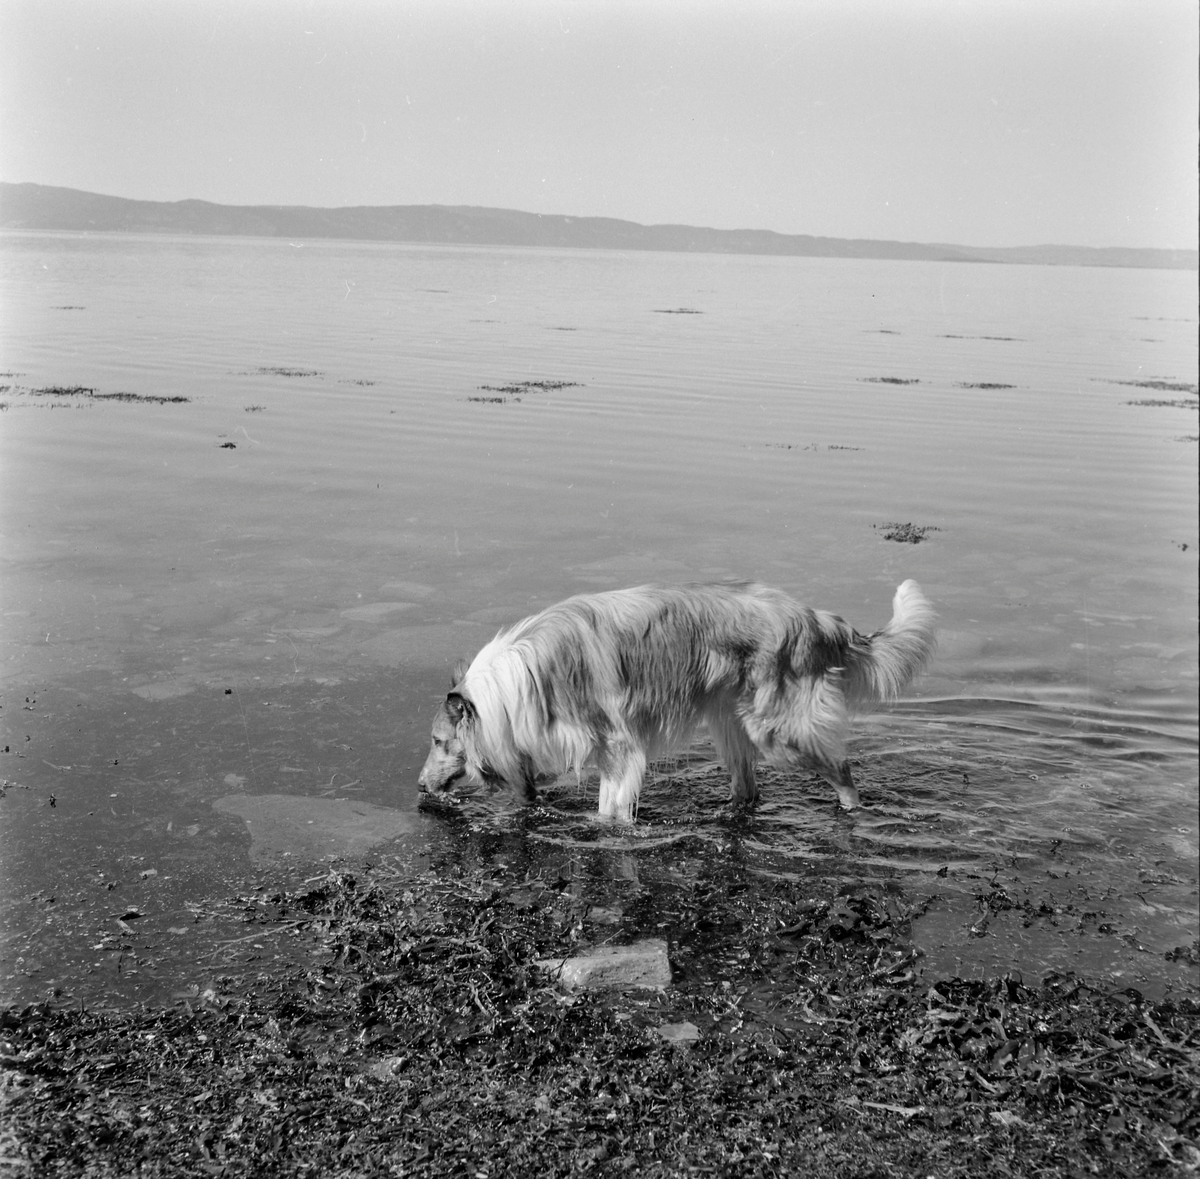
x=40, y=207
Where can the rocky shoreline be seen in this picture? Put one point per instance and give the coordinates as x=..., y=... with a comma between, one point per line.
x=431, y=1036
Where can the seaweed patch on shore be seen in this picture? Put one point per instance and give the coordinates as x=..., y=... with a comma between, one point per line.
x=906, y=533
x=423, y=1039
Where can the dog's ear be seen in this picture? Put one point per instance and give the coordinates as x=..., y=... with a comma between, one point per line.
x=458, y=707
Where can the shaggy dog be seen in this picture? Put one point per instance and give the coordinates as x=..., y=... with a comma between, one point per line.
x=617, y=679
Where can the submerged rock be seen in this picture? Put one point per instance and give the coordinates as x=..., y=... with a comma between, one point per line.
x=312, y=828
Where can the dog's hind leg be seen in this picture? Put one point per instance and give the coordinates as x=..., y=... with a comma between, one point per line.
x=621, y=772
x=738, y=754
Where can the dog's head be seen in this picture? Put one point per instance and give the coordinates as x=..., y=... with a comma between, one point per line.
x=447, y=760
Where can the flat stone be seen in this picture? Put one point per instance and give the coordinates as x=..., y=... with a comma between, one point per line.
x=678, y=1033
x=602, y=915
x=641, y=966
x=314, y=828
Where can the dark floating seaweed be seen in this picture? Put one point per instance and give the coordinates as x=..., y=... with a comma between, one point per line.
x=809, y=446
x=147, y=398
x=1164, y=386
x=1180, y=404
x=281, y=371
x=92, y=395
x=533, y=386
x=517, y=388
x=906, y=533
x=1007, y=339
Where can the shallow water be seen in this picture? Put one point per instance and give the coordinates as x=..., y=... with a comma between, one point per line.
x=188, y=621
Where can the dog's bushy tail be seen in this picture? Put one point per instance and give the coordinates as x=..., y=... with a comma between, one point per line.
x=880, y=665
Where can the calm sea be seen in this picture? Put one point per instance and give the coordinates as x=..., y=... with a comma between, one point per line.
x=386, y=451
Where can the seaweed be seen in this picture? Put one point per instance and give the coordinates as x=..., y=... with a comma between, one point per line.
x=90, y=394
x=1163, y=386
x=144, y=398
x=275, y=370
x=906, y=533
x=516, y=389
x=1177, y=404
x=808, y=446
x=533, y=386
x=424, y=1040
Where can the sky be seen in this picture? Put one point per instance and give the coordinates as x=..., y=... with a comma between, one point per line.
x=980, y=122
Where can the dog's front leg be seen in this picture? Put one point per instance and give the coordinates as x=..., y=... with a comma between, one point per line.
x=621, y=776
x=524, y=788
x=840, y=779
x=738, y=753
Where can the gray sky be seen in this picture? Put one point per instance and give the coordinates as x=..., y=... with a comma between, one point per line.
x=985, y=122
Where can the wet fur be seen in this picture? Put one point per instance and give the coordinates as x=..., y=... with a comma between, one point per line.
x=617, y=679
